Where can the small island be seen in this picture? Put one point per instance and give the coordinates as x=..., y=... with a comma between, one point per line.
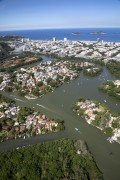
x=100, y=116
x=75, y=33
x=99, y=32
x=92, y=71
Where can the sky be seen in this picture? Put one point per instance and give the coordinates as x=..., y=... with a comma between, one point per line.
x=38, y=14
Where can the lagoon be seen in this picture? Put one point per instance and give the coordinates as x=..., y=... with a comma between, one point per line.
x=59, y=104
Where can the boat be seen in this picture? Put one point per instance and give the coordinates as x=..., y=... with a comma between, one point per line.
x=104, y=100
x=19, y=99
x=76, y=129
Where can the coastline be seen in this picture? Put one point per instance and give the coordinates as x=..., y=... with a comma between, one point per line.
x=113, y=34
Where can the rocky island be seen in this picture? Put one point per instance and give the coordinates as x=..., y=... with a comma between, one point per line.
x=100, y=32
x=75, y=33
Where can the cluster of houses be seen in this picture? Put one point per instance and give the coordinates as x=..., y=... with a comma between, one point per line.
x=91, y=109
x=88, y=107
x=44, y=71
x=5, y=80
x=86, y=49
x=34, y=123
x=40, y=76
x=117, y=83
x=28, y=78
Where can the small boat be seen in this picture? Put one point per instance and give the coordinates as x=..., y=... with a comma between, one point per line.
x=77, y=129
x=104, y=100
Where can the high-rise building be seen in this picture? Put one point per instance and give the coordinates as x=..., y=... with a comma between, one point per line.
x=65, y=39
x=54, y=38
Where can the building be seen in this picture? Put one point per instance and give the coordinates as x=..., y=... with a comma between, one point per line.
x=54, y=38
x=65, y=39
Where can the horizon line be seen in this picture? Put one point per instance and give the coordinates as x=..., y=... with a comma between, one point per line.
x=45, y=28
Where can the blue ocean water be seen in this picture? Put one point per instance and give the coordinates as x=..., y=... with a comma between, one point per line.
x=112, y=34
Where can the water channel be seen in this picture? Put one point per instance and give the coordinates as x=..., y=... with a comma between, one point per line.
x=59, y=104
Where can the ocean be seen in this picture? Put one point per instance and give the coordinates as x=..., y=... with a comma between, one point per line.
x=111, y=34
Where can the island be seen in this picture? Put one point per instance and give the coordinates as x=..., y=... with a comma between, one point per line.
x=75, y=33
x=92, y=71
x=99, y=32
x=100, y=116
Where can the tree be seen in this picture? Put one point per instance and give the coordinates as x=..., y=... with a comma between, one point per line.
x=1, y=79
x=40, y=83
x=35, y=92
x=108, y=131
x=67, y=78
x=8, y=89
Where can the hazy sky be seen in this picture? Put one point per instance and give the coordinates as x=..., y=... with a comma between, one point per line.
x=33, y=14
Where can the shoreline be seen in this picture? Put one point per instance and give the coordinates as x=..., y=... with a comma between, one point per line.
x=111, y=32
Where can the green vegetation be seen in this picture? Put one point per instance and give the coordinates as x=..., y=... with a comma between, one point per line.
x=10, y=38
x=111, y=89
x=23, y=59
x=62, y=159
x=4, y=51
x=6, y=99
x=114, y=68
x=98, y=115
x=92, y=71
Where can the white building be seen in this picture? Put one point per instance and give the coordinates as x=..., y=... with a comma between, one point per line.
x=65, y=39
